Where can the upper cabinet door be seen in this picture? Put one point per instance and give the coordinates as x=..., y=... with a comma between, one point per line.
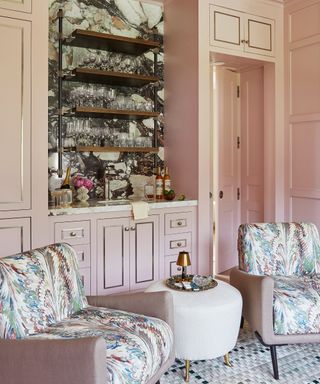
x=226, y=28
x=16, y=5
x=259, y=35
x=238, y=31
x=15, y=114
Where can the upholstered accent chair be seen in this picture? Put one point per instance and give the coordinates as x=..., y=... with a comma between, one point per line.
x=51, y=333
x=279, y=279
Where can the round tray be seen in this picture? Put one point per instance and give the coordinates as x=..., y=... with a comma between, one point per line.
x=176, y=283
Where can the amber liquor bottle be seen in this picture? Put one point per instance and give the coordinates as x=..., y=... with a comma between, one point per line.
x=166, y=180
x=159, y=185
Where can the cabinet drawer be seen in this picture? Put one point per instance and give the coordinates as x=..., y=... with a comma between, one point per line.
x=73, y=232
x=177, y=242
x=178, y=222
x=83, y=255
x=86, y=280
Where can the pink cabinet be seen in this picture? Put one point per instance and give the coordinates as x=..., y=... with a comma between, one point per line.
x=16, y=5
x=113, y=236
x=127, y=254
x=144, y=252
x=78, y=234
x=179, y=234
x=14, y=236
x=15, y=113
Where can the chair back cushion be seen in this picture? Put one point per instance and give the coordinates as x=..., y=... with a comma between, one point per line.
x=279, y=249
x=27, y=303
x=66, y=280
x=37, y=289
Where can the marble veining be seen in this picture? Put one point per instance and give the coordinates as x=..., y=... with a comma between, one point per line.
x=129, y=18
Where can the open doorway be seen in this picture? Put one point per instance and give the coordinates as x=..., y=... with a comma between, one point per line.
x=242, y=124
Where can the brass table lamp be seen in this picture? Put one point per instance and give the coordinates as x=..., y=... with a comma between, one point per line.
x=184, y=261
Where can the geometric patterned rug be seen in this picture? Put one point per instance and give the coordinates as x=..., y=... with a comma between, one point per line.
x=298, y=364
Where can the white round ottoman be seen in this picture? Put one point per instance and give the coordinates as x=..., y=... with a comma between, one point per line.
x=206, y=323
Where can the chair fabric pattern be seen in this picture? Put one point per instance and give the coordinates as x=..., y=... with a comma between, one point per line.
x=136, y=345
x=66, y=279
x=290, y=254
x=27, y=302
x=283, y=249
x=296, y=304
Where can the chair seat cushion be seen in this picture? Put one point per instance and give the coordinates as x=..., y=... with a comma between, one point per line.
x=136, y=345
x=296, y=304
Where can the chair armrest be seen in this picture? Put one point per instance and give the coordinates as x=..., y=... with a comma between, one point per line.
x=257, y=294
x=52, y=361
x=155, y=304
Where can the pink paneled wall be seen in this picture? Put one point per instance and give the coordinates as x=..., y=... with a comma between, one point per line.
x=302, y=43
x=181, y=94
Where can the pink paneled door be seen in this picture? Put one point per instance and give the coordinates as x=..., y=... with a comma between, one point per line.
x=228, y=180
x=238, y=157
x=252, y=146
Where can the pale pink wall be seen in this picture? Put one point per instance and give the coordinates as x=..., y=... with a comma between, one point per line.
x=302, y=47
x=181, y=94
x=187, y=111
x=269, y=143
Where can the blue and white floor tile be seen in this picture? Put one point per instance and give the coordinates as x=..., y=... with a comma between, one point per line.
x=298, y=364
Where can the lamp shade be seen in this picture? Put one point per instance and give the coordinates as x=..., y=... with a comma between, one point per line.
x=183, y=259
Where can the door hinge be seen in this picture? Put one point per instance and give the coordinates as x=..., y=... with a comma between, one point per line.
x=238, y=142
x=238, y=91
x=238, y=193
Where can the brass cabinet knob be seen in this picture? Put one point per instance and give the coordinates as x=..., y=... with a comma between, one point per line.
x=179, y=269
x=133, y=228
x=179, y=244
x=73, y=234
x=126, y=229
x=179, y=223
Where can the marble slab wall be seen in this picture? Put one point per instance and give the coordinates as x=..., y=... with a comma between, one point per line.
x=129, y=18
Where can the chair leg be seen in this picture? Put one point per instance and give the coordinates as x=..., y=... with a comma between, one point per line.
x=242, y=322
x=273, y=351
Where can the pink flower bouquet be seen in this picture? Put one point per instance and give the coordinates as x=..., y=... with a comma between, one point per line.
x=80, y=181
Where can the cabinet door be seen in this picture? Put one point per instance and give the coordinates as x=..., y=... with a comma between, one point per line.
x=16, y=5
x=226, y=28
x=14, y=236
x=259, y=35
x=15, y=96
x=113, y=255
x=144, y=252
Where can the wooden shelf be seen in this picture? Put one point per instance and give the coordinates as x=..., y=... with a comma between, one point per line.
x=111, y=149
x=104, y=41
x=113, y=113
x=89, y=75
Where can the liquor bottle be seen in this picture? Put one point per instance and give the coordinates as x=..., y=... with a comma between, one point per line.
x=66, y=181
x=159, y=185
x=166, y=180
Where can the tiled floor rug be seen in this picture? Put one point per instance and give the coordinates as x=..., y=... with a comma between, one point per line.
x=298, y=364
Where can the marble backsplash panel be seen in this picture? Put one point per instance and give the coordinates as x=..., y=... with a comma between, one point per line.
x=129, y=18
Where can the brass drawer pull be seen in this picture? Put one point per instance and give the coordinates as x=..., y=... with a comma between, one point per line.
x=179, y=223
x=126, y=229
x=133, y=228
x=179, y=244
x=73, y=234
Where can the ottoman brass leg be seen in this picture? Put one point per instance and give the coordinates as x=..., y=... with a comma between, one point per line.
x=187, y=368
x=227, y=360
